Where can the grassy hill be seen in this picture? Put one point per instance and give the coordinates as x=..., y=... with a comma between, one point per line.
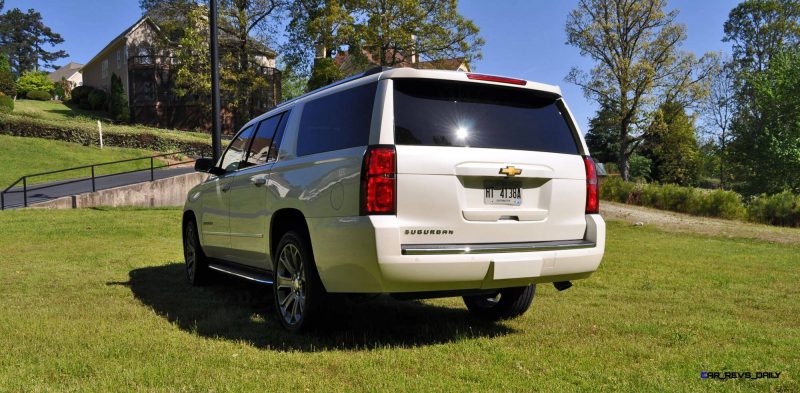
x=55, y=120
x=21, y=156
x=107, y=308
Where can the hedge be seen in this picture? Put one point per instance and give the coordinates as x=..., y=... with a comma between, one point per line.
x=85, y=133
x=779, y=209
x=38, y=95
x=98, y=100
x=6, y=103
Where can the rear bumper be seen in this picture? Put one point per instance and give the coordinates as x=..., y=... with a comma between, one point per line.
x=386, y=265
x=406, y=268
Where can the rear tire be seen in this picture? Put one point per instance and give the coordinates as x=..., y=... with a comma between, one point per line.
x=197, y=271
x=507, y=303
x=297, y=289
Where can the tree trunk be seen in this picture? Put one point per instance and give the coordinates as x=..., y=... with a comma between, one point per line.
x=622, y=154
x=722, y=162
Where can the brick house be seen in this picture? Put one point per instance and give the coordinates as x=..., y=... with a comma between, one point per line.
x=140, y=56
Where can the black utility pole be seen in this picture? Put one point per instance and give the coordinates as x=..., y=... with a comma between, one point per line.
x=215, y=132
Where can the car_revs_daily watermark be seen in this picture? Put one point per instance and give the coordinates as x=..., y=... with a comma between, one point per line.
x=725, y=375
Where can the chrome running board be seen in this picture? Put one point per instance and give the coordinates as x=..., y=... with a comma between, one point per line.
x=242, y=272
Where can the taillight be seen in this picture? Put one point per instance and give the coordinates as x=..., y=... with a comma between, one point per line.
x=592, y=192
x=498, y=79
x=378, y=191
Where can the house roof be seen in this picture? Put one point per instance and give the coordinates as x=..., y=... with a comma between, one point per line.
x=65, y=71
x=123, y=35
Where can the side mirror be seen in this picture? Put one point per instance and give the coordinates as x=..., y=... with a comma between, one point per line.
x=601, y=169
x=207, y=165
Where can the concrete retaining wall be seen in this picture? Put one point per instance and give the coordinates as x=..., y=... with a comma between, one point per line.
x=163, y=192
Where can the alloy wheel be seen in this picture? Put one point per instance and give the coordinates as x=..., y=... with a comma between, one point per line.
x=291, y=284
x=190, y=251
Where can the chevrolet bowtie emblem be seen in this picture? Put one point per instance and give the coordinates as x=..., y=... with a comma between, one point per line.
x=510, y=171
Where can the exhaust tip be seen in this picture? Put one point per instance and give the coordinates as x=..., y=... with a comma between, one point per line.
x=562, y=285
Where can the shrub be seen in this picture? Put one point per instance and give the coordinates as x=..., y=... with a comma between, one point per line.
x=721, y=203
x=118, y=101
x=79, y=93
x=38, y=95
x=673, y=197
x=6, y=103
x=612, y=168
x=31, y=81
x=777, y=209
x=613, y=188
x=98, y=100
x=640, y=167
x=80, y=96
x=8, y=84
x=85, y=132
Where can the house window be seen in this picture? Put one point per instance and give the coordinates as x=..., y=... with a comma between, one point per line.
x=104, y=68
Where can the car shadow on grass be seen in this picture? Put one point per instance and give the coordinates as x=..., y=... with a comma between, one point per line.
x=239, y=310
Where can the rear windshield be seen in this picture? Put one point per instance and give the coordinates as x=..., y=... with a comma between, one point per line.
x=446, y=113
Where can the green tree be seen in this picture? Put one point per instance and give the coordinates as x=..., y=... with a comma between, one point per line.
x=245, y=28
x=718, y=110
x=118, y=100
x=292, y=84
x=317, y=28
x=395, y=31
x=383, y=32
x=760, y=29
x=766, y=145
x=193, y=68
x=671, y=144
x=26, y=40
x=324, y=72
x=602, y=135
x=34, y=81
x=765, y=35
x=8, y=85
x=638, y=65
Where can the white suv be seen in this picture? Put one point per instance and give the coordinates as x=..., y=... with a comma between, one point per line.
x=415, y=183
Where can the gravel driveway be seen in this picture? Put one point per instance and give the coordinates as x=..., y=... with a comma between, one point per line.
x=678, y=222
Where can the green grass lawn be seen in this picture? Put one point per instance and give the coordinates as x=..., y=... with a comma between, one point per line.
x=69, y=114
x=21, y=156
x=95, y=300
x=56, y=110
x=59, y=121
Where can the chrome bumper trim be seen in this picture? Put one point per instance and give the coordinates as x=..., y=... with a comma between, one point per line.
x=489, y=248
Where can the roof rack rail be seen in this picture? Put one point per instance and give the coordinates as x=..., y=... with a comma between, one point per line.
x=368, y=72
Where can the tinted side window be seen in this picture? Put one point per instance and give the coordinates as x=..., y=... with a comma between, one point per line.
x=446, y=113
x=336, y=121
x=276, y=142
x=235, y=153
x=259, y=149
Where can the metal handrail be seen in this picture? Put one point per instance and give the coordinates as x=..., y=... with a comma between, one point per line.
x=24, y=179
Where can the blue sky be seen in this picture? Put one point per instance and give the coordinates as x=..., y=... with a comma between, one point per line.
x=524, y=38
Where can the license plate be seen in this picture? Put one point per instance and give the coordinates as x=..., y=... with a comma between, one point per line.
x=502, y=192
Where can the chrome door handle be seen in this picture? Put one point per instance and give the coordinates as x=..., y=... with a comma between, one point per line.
x=258, y=181
x=226, y=187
